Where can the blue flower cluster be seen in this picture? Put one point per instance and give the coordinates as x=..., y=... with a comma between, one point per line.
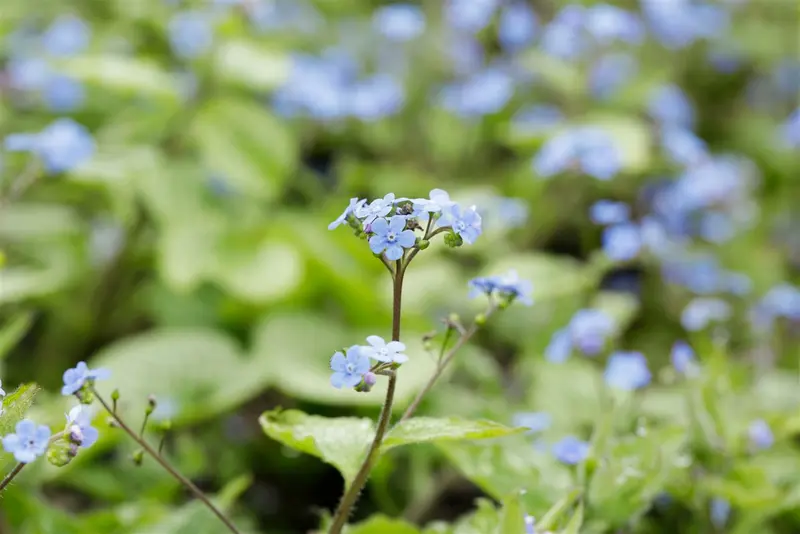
x=588, y=331
x=508, y=287
x=30, y=441
x=390, y=223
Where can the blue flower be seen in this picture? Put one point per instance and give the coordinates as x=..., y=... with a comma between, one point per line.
x=482, y=285
x=683, y=358
x=79, y=425
x=571, y=450
x=384, y=352
x=466, y=223
x=399, y=22
x=28, y=74
x=190, y=34
x=627, y=371
x=511, y=286
x=760, y=435
x=610, y=73
x=560, y=346
x=63, y=145
x=28, y=442
x=349, y=370
x=484, y=93
x=376, y=97
x=682, y=145
x=622, y=242
x=589, y=330
x=783, y=300
x=588, y=149
x=607, y=23
x=75, y=378
x=517, y=26
x=2, y=392
x=533, y=421
x=669, y=106
x=390, y=236
x=470, y=15
x=530, y=524
x=438, y=201
x=380, y=207
x=67, y=35
x=720, y=512
x=791, y=129
x=354, y=205
x=63, y=94
x=609, y=212
x=700, y=312
x=565, y=37
x=537, y=119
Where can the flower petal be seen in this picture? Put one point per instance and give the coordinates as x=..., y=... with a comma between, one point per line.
x=406, y=239
x=394, y=252
x=338, y=362
x=380, y=226
x=376, y=341
x=396, y=346
x=352, y=380
x=377, y=243
x=90, y=435
x=400, y=358
x=397, y=223
x=337, y=380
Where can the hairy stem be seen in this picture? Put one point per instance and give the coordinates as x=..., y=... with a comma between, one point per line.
x=167, y=467
x=12, y=475
x=442, y=364
x=351, y=494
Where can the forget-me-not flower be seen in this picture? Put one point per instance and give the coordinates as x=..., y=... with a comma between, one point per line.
x=760, y=435
x=683, y=146
x=470, y=15
x=63, y=94
x=537, y=119
x=587, y=149
x=622, y=242
x=379, y=349
x=627, y=371
x=355, y=204
x=67, y=35
x=484, y=93
x=609, y=212
x=391, y=237
x=589, y=330
x=62, y=146
x=571, y=450
x=380, y=207
x=2, y=391
x=517, y=26
x=75, y=378
x=720, y=512
x=349, y=370
x=466, y=223
x=28, y=73
x=791, y=129
x=28, y=442
x=700, y=312
x=399, y=22
x=510, y=285
x=376, y=97
x=565, y=36
x=439, y=200
x=530, y=524
x=607, y=23
x=79, y=424
x=190, y=34
x=560, y=346
x=683, y=358
x=610, y=73
x=669, y=106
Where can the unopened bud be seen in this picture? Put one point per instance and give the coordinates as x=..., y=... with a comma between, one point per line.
x=138, y=457
x=480, y=319
x=367, y=382
x=151, y=400
x=453, y=240
x=85, y=394
x=59, y=453
x=165, y=425
x=115, y=395
x=422, y=244
x=72, y=450
x=75, y=435
x=453, y=318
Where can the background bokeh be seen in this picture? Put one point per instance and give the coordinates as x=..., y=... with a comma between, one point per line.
x=170, y=167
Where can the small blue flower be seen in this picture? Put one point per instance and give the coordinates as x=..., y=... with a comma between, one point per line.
x=79, y=425
x=537, y=119
x=354, y=205
x=376, y=98
x=28, y=74
x=62, y=146
x=190, y=34
x=438, y=201
x=669, y=106
x=588, y=149
x=470, y=15
x=482, y=285
x=683, y=146
x=28, y=442
x=590, y=329
x=399, y=22
x=63, y=94
x=2, y=392
x=348, y=371
x=517, y=26
x=607, y=23
x=700, y=312
x=622, y=242
x=609, y=212
x=791, y=129
x=565, y=37
x=534, y=421
x=75, y=378
x=530, y=524
x=627, y=371
x=783, y=300
x=68, y=35
x=511, y=286
x=390, y=236
x=610, y=73
x=380, y=207
x=760, y=435
x=720, y=512
x=683, y=358
x=571, y=450
x=384, y=352
x=484, y=93
x=466, y=223
x=560, y=346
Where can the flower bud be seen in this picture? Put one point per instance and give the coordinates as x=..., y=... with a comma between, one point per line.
x=75, y=435
x=480, y=319
x=59, y=453
x=138, y=457
x=85, y=394
x=367, y=382
x=115, y=395
x=422, y=244
x=453, y=240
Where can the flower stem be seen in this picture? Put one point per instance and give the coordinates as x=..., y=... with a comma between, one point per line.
x=442, y=364
x=166, y=465
x=9, y=477
x=354, y=490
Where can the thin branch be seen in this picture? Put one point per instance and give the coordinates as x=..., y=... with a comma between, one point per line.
x=12, y=475
x=166, y=465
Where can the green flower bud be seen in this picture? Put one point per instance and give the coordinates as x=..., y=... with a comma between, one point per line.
x=60, y=453
x=138, y=457
x=422, y=244
x=453, y=240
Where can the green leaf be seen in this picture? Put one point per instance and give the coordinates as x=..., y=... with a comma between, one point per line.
x=382, y=525
x=553, y=516
x=125, y=74
x=198, y=373
x=13, y=331
x=341, y=442
x=427, y=429
x=38, y=222
x=512, y=518
x=251, y=66
x=484, y=520
x=244, y=142
x=15, y=406
x=575, y=523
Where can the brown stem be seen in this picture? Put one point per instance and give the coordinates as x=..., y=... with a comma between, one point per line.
x=12, y=475
x=167, y=467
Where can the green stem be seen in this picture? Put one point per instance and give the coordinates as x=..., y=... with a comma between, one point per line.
x=9, y=477
x=166, y=465
x=354, y=490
